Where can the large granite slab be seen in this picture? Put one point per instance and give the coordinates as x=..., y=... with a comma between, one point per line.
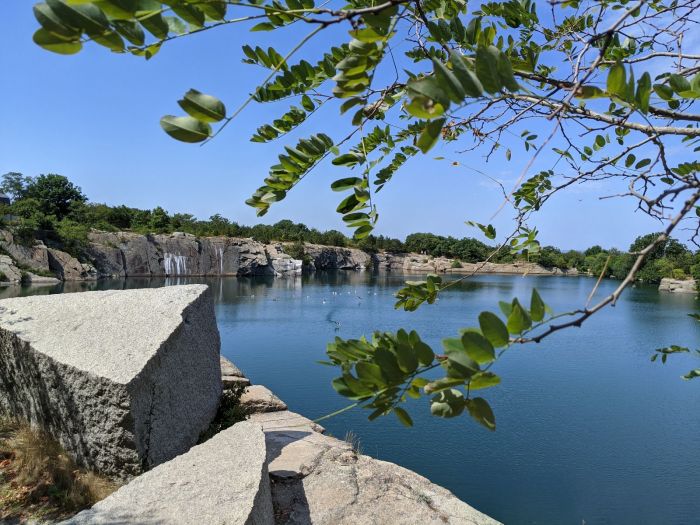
x=125, y=380
x=224, y=481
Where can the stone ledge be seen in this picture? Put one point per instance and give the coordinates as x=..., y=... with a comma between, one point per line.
x=223, y=481
x=320, y=480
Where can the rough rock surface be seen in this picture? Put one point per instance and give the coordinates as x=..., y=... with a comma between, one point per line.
x=257, y=398
x=35, y=257
x=125, y=380
x=127, y=254
x=10, y=273
x=282, y=263
x=677, y=286
x=337, y=258
x=68, y=268
x=223, y=481
x=32, y=278
x=320, y=480
x=231, y=375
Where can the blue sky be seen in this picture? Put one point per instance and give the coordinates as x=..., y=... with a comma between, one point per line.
x=94, y=118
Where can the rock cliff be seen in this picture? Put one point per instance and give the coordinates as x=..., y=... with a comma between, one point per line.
x=677, y=285
x=128, y=254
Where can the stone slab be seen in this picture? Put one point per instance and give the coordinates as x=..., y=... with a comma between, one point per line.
x=257, y=398
x=320, y=480
x=221, y=482
x=125, y=380
x=229, y=369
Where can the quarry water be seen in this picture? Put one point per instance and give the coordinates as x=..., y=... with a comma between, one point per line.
x=589, y=430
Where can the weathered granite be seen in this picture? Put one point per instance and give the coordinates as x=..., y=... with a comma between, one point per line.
x=320, y=480
x=417, y=263
x=68, y=268
x=257, y=398
x=338, y=258
x=34, y=257
x=677, y=285
x=223, y=481
x=125, y=380
x=10, y=273
x=282, y=264
x=229, y=369
x=32, y=278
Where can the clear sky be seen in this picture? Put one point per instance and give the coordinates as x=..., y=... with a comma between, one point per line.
x=93, y=117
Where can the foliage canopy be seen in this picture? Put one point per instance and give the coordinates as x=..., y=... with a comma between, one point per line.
x=611, y=82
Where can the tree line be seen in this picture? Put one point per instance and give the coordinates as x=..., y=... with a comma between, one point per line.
x=51, y=208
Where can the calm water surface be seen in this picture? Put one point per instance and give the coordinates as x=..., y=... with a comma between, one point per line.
x=589, y=430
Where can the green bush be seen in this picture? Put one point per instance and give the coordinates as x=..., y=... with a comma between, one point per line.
x=679, y=274
x=456, y=264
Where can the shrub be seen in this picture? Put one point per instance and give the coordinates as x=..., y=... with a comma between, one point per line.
x=456, y=264
x=39, y=479
x=678, y=274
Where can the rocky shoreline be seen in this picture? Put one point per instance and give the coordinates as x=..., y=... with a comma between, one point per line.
x=127, y=254
x=129, y=382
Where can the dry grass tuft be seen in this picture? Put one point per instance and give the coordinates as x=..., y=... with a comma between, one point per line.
x=38, y=479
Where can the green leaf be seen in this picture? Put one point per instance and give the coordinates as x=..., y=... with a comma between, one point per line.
x=454, y=349
x=643, y=92
x=506, y=308
x=679, y=83
x=185, y=129
x=53, y=23
x=448, y=82
x=470, y=83
x=480, y=410
x=447, y=403
x=307, y=103
x=537, y=307
x=483, y=380
x=430, y=135
x=56, y=44
x=518, y=320
x=87, y=17
x=403, y=416
x=487, y=71
x=493, y=329
x=408, y=362
x=617, y=81
x=505, y=72
x=692, y=374
x=663, y=91
x=345, y=184
x=348, y=204
x=442, y=384
x=203, y=107
x=370, y=373
x=478, y=347
x=131, y=31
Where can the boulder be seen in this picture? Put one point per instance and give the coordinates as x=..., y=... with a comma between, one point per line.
x=257, y=398
x=320, y=480
x=231, y=375
x=677, y=285
x=9, y=273
x=223, y=481
x=125, y=380
x=68, y=268
x=34, y=279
